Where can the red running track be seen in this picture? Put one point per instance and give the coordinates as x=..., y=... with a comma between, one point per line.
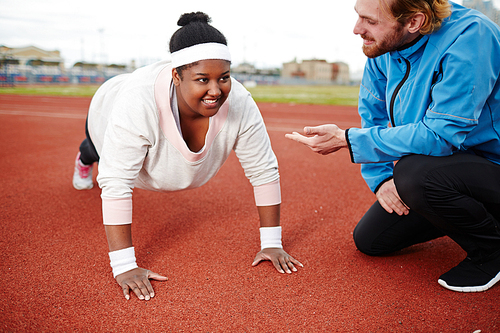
x=56, y=277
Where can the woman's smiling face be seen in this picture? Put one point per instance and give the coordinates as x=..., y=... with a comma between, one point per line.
x=203, y=88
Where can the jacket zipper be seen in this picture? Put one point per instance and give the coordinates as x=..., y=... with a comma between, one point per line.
x=393, y=99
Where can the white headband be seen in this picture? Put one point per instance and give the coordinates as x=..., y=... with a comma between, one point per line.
x=199, y=52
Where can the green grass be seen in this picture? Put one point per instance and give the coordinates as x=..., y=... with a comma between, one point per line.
x=328, y=95
x=51, y=90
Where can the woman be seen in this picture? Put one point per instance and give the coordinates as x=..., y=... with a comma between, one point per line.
x=169, y=127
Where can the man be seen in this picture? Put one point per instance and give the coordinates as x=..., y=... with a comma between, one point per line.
x=430, y=101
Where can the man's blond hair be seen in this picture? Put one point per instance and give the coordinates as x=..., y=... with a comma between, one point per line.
x=435, y=12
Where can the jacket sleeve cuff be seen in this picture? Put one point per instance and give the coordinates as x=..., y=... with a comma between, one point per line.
x=268, y=194
x=349, y=144
x=117, y=211
x=382, y=183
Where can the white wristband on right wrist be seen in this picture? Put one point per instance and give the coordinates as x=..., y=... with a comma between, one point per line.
x=122, y=261
x=270, y=237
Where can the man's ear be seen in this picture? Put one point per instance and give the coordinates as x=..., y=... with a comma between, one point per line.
x=416, y=22
x=176, y=77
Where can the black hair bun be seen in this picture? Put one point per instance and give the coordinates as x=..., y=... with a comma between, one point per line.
x=187, y=18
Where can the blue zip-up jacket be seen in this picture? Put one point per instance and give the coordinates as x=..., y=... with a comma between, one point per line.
x=436, y=97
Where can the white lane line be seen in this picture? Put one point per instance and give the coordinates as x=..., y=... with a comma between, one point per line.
x=44, y=114
x=270, y=122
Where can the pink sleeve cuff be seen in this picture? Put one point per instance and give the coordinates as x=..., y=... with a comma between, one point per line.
x=117, y=211
x=268, y=194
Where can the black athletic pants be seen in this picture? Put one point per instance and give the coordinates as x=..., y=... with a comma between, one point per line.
x=88, y=153
x=457, y=196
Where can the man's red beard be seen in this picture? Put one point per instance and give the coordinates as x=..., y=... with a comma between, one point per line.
x=388, y=44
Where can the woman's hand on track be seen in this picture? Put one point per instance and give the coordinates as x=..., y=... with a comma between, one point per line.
x=137, y=280
x=282, y=261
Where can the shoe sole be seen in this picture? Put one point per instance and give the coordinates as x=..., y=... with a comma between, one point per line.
x=471, y=289
x=82, y=187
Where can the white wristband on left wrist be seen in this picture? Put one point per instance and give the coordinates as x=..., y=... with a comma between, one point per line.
x=270, y=237
x=122, y=261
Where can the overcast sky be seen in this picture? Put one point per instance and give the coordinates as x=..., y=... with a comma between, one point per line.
x=265, y=33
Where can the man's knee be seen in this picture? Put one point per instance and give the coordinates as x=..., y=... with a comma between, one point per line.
x=364, y=240
x=409, y=178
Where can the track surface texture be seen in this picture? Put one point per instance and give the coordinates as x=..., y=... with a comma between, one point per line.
x=55, y=268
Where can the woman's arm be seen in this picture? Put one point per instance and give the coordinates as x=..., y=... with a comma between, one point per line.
x=119, y=236
x=269, y=215
x=122, y=251
x=270, y=234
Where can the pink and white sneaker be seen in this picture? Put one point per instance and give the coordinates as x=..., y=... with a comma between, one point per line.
x=82, y=177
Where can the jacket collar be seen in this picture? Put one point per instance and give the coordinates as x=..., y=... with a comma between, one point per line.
x=407, y=50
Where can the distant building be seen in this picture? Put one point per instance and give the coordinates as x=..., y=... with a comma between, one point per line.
x=485, y=7
x=33, y=59
x=244, y=68
x=317, y=71
x=248, y=73
x=89, y=68
x=340, y=73
x=31, y=64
